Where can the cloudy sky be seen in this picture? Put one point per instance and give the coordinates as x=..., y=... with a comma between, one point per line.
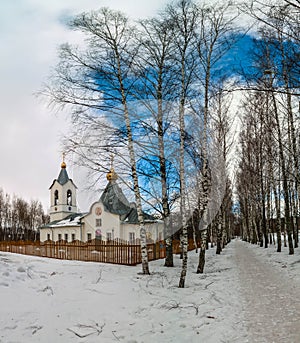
x=30, y=32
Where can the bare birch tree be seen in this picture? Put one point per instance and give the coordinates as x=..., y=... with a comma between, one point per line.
x=155, y=92
x=215, y=36
x=184, y=17
x=222, y=126
x=97, y=81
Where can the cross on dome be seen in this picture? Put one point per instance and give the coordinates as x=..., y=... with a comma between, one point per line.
x=111, y=175
x=63, y=164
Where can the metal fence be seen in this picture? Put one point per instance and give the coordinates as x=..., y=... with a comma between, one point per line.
x=116, y=251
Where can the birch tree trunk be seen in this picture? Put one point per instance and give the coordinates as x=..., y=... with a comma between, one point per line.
x=157, y=43
x=138, y=199
x=277, y=208
x=201, y=264
x=204, y=202
x=143, y=238
x=184, y=235
x=219, y=231
x=183, y=16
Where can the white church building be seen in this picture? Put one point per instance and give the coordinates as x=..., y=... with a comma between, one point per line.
x=109, y=218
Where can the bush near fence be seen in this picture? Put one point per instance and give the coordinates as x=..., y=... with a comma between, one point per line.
x=116, y=251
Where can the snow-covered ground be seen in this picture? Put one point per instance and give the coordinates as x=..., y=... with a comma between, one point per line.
x=270, y=294
x=45, y=300
x=287, y=265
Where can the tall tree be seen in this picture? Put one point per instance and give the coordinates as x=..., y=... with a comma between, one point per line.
x=215, y=37
x=155, y=88
x=184, y=17
x=222, y=127
x=98, y=81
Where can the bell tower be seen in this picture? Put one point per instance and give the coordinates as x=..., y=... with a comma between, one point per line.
x=62, y=195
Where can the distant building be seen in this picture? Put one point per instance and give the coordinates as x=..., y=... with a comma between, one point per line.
x=109, y=218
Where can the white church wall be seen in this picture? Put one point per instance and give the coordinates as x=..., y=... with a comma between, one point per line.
x=155, y=231
x=60, y=233
x=130, y=232
x=98, y=219
x=44, y=235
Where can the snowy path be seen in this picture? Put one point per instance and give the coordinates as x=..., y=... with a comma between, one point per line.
x=271, y=303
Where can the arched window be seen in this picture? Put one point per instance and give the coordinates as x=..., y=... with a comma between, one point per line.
x=56, y=197
x=69, y=197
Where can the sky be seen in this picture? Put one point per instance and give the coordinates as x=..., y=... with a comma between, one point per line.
x=30, y=149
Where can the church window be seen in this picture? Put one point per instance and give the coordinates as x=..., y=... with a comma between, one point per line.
x=56, y=197
x=48, y=236
x=89, y=236
x=98, y=222
x=73, y=237
x=108, y=236
x=69, y=197
x=131, y=236
x=66, y=237
x=59, y=236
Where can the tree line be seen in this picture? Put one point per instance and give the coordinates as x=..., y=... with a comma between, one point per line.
x=269, y=170
x=19, y=219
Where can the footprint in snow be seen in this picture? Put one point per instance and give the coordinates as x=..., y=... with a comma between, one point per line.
x=5, y=284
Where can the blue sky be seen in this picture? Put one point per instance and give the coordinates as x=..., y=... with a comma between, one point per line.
x=30, y=32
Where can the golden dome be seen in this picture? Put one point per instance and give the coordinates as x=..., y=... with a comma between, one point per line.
x=111, y=175
x=63, y=164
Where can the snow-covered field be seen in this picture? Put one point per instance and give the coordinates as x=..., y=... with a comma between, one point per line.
x=45, y=300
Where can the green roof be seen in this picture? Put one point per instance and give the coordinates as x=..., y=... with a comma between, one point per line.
x=115, y=202
x=63, y=176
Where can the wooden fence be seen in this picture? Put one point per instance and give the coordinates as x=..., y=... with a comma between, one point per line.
x=116, y=251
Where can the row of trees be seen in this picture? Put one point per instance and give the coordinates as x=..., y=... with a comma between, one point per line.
x=269, y=171
x=20, y=220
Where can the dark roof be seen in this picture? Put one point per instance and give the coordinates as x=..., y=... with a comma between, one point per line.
x=63, y=176
x=132, y=216
x=115, y=202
